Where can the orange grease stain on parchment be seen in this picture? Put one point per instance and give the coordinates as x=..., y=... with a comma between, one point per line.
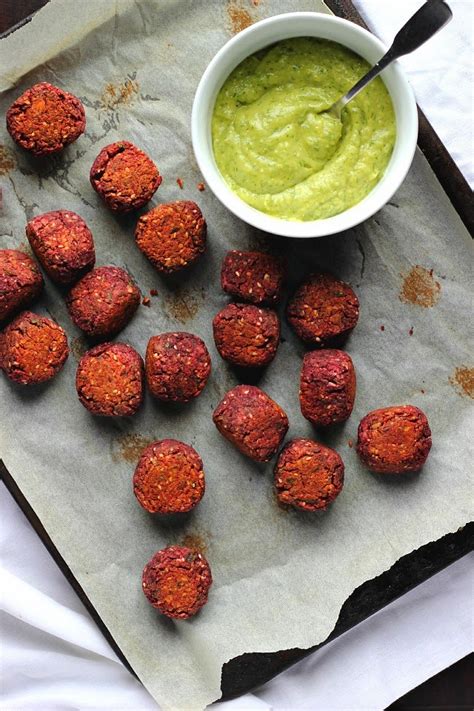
x=119, y=94
x=78, y=347
x=7, y=160
x=420, y=288
x=238, y=16
x=196, y=541
x=463, y=380
x=130, y=447
x=183, y=304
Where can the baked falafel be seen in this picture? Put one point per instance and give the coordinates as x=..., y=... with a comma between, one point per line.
x=33, y=349
x=45, y=119
x=249, y=419
x=172, y=236
x=246, y=335
x=110, y=380
x=63, y=245
x=169, y=477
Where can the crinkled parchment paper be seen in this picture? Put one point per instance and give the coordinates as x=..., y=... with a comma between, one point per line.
x=280, y=577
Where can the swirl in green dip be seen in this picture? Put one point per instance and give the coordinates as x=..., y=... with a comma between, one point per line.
x=279, y=152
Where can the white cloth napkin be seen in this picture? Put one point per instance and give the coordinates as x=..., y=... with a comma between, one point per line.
x=53, y=655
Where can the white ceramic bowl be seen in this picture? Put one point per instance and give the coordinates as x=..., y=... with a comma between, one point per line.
x=262, y=34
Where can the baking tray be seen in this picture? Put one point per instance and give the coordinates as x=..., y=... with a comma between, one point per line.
x=250, y=670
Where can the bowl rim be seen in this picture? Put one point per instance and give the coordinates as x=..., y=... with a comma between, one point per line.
x=395, y=172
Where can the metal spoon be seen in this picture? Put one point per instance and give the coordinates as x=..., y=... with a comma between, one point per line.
x=430, y=18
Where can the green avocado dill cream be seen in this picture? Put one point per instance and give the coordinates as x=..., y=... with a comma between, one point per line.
x=276, y=148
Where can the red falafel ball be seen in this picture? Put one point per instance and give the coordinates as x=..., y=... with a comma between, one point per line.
x=323, y=309
x=45, y=119
x=124, y=176
x=20, y=282
x=172, y=236
x=63, y=245
x=246, y=335
x=109, y=380
x=253, y=276
x=177, y=366
x=308, y=475
x=394, y=440
x=327, y=387
x=169, y=477
x=176, y=581
x=32, y=349
x=251, y=421
x=103, y=301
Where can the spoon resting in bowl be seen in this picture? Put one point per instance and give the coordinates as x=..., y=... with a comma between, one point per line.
x=428, y=20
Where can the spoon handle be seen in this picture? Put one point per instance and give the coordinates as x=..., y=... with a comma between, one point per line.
x=428, y=20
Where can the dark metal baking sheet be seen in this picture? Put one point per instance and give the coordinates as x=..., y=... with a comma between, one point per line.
x=250, y=670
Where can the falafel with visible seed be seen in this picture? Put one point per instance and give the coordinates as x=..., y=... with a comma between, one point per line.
x=176, y=581
x=103, y=301
x=33, y=349
x=169, y=478
x=246, y=335
x=45, y=119
x=323, y=311
x=394, y=440
x=124, y=176
x=172, y=236
x=256, y=277
x=308, y=475
x=253, y=422
x=63, y=245
x=177, y=366
x=110, y=380
x=327, y=387
x=21, y=282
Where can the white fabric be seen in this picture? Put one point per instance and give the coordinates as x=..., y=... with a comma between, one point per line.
x=55, y=658
x=440, y=72
x=53, y=655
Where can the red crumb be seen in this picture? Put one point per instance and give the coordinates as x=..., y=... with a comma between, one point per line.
x=382, y=327
x=153, y=292
x=422, y=391
x=146, y=301
x=410, y=332
x=350, y=443
x=201, y=186
x=180, y=182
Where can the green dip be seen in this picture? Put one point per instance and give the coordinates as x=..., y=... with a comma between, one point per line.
x=279, y=152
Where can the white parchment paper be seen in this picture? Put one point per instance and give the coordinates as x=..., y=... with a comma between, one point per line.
x=280, y=577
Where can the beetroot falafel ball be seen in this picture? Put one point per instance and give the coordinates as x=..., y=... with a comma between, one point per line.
x=109, y=380
x=63, y=244
x=246, y=335
x=169, y=477
x=124, y=176
x=176, y=581
x=308, y=475
x=253, y=276
x=394, y=440
x=20, y=282
x=45, y=119
x=177, y=366
x=323, y=309
x=172, y=236
x=251, y=421
x=103, y=301
x=327, y=387
x=32, y=349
